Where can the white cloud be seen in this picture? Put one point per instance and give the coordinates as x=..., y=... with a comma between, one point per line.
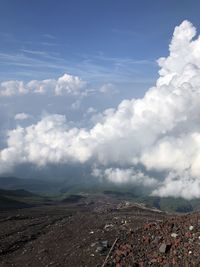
x=22, y=116
x=48, y=141
x=41, y=87
x=161, y=131
x=108, y=88
x=68, y=84
x=121, y=176
x=179, y=184
x=10, y=88
x=64, y=85
x=91, y=110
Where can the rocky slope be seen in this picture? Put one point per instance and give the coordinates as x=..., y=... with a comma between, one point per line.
x=98, y=231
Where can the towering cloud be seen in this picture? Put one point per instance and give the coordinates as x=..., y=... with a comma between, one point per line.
x=159, y=133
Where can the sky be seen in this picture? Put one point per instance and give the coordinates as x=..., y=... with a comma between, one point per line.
x=101, y=41
x=108, y=84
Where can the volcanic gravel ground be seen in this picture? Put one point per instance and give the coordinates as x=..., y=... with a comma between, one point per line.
x=82, y=234
x=172, y=242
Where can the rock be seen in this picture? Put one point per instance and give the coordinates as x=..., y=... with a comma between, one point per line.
x=191, y=227
x=164, y=248
x=108, y=226
x=102, y=246
x=174, y=235
x=93, y=245
x=104, y=243
x=100, y=249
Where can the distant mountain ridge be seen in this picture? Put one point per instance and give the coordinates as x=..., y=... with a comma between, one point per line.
x=20, y=198
x=28, y=191
x=29, y=184
x=13, y=199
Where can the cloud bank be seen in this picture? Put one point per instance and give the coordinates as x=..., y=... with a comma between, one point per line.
x=64, y=85
x=157, y=133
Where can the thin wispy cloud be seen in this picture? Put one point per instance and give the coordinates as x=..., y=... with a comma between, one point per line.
x=49, y=36
x=27, y=58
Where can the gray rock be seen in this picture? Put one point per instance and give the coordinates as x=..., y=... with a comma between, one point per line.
x=164, y=248
x=102, y=246
x=100, y=249
x=104, y=243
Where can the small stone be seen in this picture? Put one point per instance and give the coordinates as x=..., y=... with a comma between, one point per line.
x=174, y=235
x=191, y=227
x=99, y=249
x=104, y=243
x=108, y=226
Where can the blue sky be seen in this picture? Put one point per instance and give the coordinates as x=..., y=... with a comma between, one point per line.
x=108, y=41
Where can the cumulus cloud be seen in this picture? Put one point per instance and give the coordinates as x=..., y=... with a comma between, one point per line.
x=64, y=85
x=160, y=132
x=68, y=84
x=108, y=88
x=179, y=184
x=51, y=140
x=22, y=116
x=121, y=176
x=9, y=88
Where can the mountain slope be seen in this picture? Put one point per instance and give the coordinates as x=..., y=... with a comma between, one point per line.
x=16, y=199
